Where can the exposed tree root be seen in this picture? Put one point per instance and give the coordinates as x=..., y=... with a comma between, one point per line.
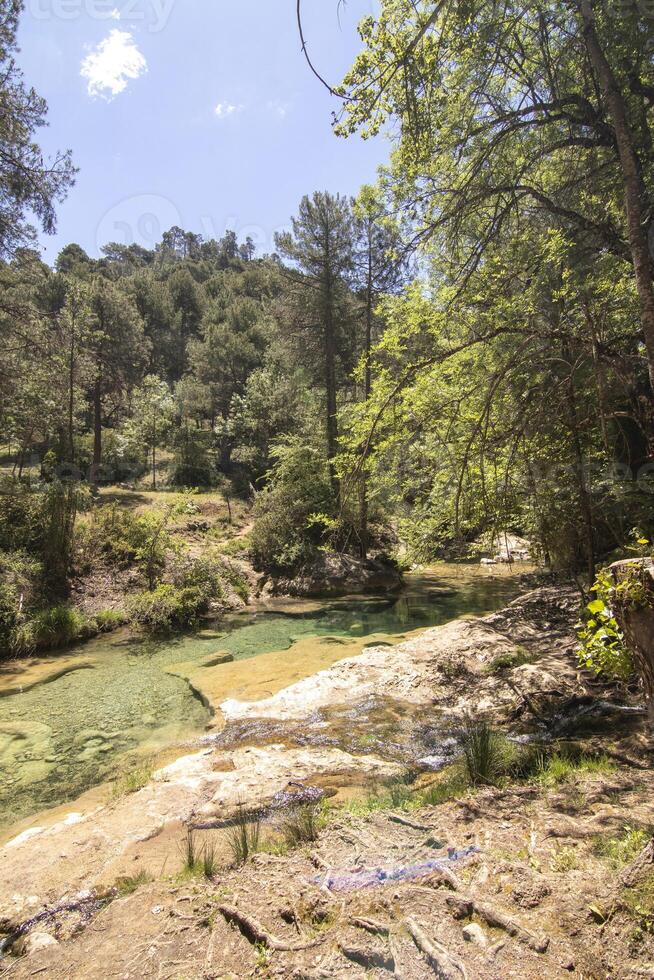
x=256, y=933
x=444, y=965
x=370, y=959
x=398, y=818
x=465, y=907
x=370, y=925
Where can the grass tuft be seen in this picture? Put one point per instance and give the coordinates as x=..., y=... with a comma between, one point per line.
x=303, y=825
x=621, y=850
x=128, y=884
x=133, y=781
x=244, y=836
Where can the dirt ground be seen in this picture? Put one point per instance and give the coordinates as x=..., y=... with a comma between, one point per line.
x=546, y=904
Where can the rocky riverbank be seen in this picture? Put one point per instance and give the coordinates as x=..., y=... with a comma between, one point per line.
x=376, y=894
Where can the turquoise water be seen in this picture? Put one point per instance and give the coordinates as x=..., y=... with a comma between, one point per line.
x=61, y=738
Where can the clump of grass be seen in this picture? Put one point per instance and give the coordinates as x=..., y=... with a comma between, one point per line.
x=487, y=755
x=621, y=850
x=128, y=884
x=507, y=661
x=450, y=785
x=561, y=768
x=190, y=853
x=133, y=781
x=209, y=859
x=564, y=859
x=109, y=619
x=244, y=835
x=303, y=825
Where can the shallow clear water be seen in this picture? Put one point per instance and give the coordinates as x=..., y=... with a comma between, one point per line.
x=61, y=738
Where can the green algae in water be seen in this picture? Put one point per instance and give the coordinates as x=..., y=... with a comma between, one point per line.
x=59, y=739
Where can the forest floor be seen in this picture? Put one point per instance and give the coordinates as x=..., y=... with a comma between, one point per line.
x=547, y=875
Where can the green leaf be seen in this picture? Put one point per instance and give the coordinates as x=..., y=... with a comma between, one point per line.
x=596, y=606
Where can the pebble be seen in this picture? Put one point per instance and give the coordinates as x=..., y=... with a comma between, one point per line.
x=33, y=942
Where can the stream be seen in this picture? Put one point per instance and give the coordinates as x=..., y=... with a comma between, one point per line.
x=118, y=704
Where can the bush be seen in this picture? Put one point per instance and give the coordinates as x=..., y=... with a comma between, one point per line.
x=167, y=609
x=109, y=619
x=205, y=574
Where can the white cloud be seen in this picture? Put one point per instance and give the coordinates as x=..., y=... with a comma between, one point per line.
x=225, y=109
x=112, y=64
x=115, y=14
x=277, y=108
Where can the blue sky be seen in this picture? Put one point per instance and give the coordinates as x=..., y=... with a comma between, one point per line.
x=196, y=112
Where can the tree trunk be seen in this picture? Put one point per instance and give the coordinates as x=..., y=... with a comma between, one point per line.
x=636, y=208
x=330, y=382
x=584, y=496
x=637, y=624
x=97, y=430
x=367, y=388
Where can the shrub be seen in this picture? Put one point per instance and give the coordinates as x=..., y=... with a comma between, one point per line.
x=167, y=609
x=244, y=835
x=205, y=574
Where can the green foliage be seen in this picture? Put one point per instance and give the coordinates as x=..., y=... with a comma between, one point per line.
x=621, y=850
x=109, y=619
x=135, y=779
x=166, y=609
x=49, y=629
x=562, y=768
x=507, y=661
x=284, y=536
x=603, y=648
x=128, y=884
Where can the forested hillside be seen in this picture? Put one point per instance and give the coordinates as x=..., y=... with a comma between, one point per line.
x=467, y=348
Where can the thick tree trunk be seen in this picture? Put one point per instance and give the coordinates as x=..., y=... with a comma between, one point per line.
x=637, y=624
x=636, y=207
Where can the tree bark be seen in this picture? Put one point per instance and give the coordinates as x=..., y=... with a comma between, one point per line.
x=367, y=388
x=636, y=205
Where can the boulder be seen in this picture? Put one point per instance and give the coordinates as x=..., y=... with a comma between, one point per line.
x=334, y=574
